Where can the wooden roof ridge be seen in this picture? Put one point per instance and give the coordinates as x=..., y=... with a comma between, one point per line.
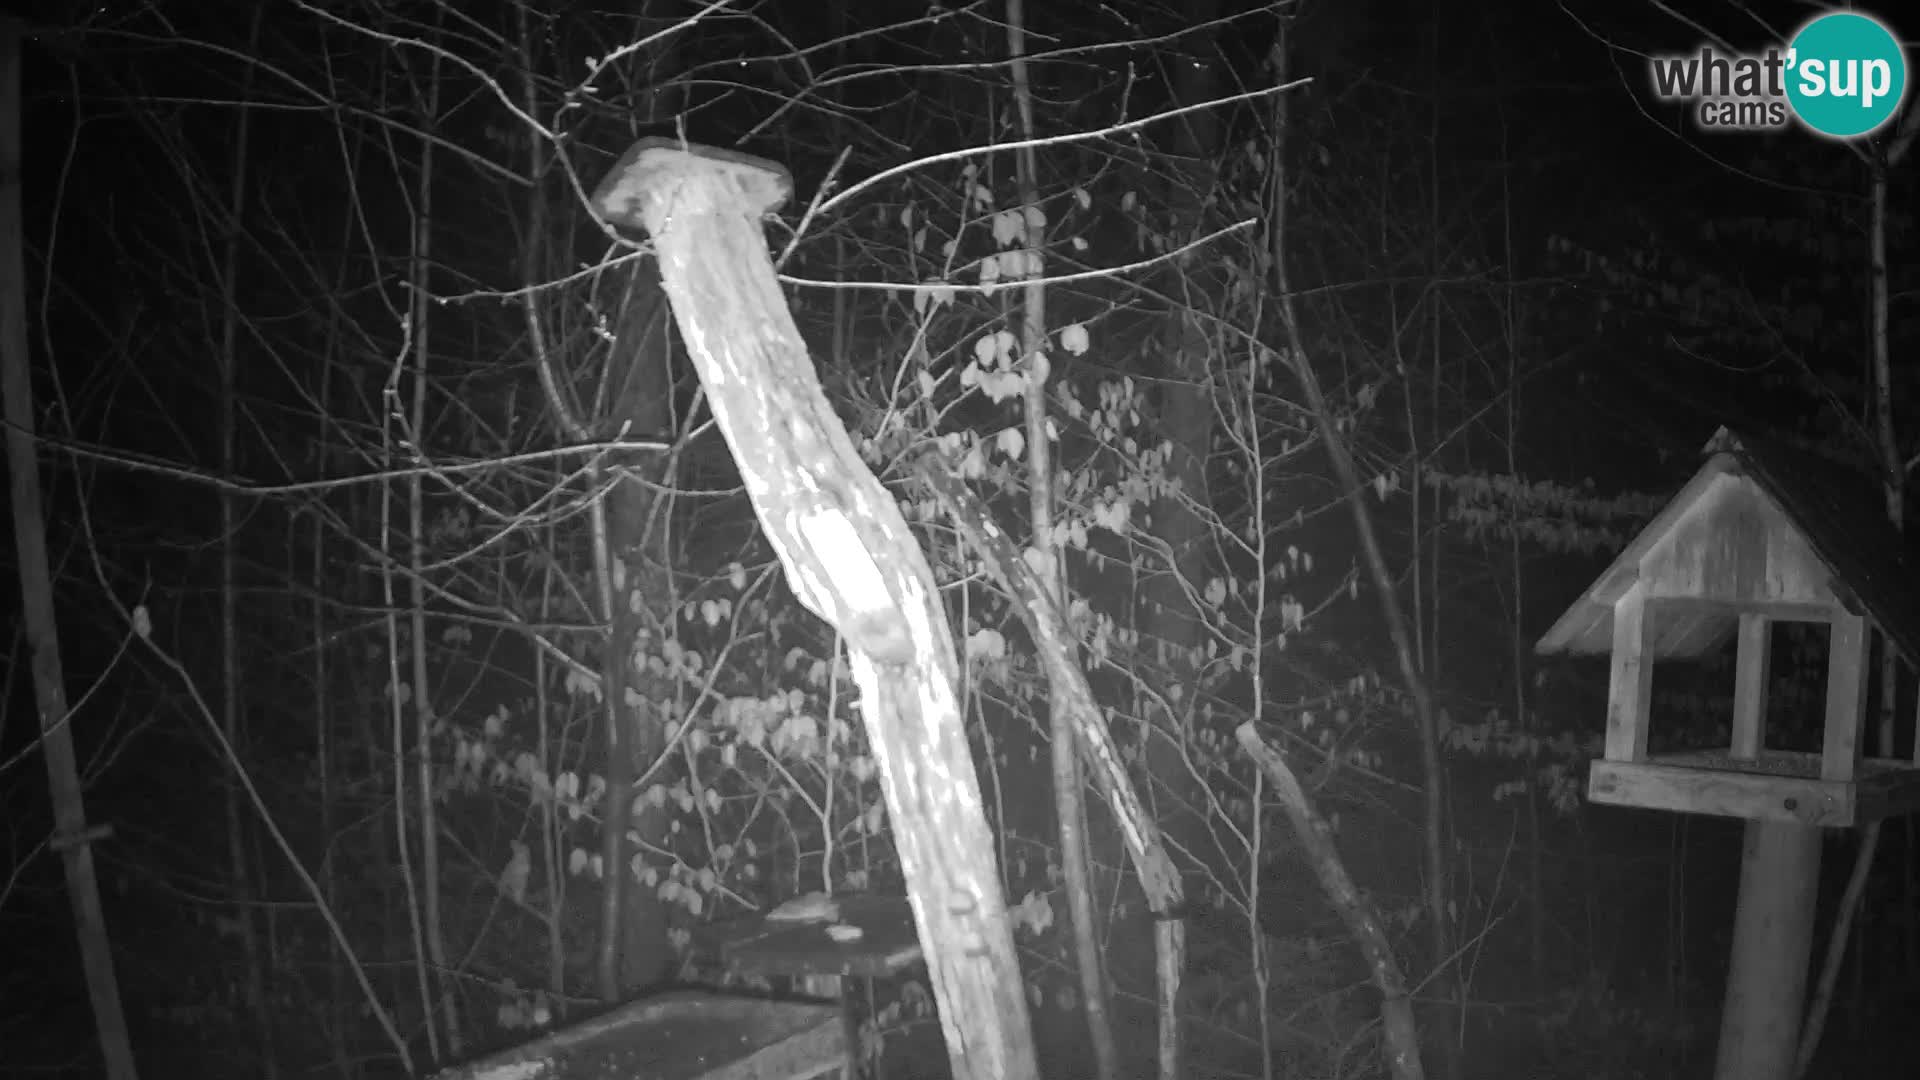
x=1839, y=508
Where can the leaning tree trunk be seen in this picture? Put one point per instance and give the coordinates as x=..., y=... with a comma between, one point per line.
x=1401, y=1034
x=1073, y=697
x=850, y=558
x=71, y=836
x=1399, y=629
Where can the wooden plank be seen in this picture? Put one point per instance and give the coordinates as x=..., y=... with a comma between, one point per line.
x=1581, y=628
x=1778, y=611
x=1736, y=544
x=850, y=558
x=1753, y=796
x=1753, y=660
x=1630, y=690
x=681, y=1036
x=888, y=943
x=1846, y=698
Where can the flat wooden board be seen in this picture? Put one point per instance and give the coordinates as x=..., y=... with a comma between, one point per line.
x=680, y=1036
x=888, y=945
x=1777, y=786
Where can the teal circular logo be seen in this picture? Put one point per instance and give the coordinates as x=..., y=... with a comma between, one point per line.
x=1846, y=74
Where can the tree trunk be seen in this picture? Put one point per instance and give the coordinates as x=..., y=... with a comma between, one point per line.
x=1439, y=915
x=72, y=838
x=1363, y=922
x=336, y=1007
x=1069, y=791
x=1894, y=477
x=1073, y=697
x=1187, y=420
x=232, y=708
x=425, y=717
x=640, y=399
x=850, y=558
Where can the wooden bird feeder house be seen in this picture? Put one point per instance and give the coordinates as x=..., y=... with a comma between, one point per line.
x=1763, y=533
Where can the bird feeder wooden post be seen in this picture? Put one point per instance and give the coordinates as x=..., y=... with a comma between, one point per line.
x=1761, y=534
x=849, y=558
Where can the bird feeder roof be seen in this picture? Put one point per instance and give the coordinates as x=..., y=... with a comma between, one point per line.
x=1837, y=511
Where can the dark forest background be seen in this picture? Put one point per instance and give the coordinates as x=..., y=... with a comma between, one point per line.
x=333, y=369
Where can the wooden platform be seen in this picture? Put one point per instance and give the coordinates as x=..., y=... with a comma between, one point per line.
x=809, y=953
x=1776, y=786
x=681, y=1036
x=888, y=943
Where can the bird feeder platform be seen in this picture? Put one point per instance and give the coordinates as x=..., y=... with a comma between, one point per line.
x=861, y=936
x=1774, y=785
x=883, y=942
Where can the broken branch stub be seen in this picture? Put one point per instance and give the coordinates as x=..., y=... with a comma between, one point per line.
x=849, y=557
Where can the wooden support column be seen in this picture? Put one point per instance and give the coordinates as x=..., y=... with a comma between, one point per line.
x=1772, y=936
x=1630, y=690
x=1752, y=663
x=1847, y=652
x=849, y=558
